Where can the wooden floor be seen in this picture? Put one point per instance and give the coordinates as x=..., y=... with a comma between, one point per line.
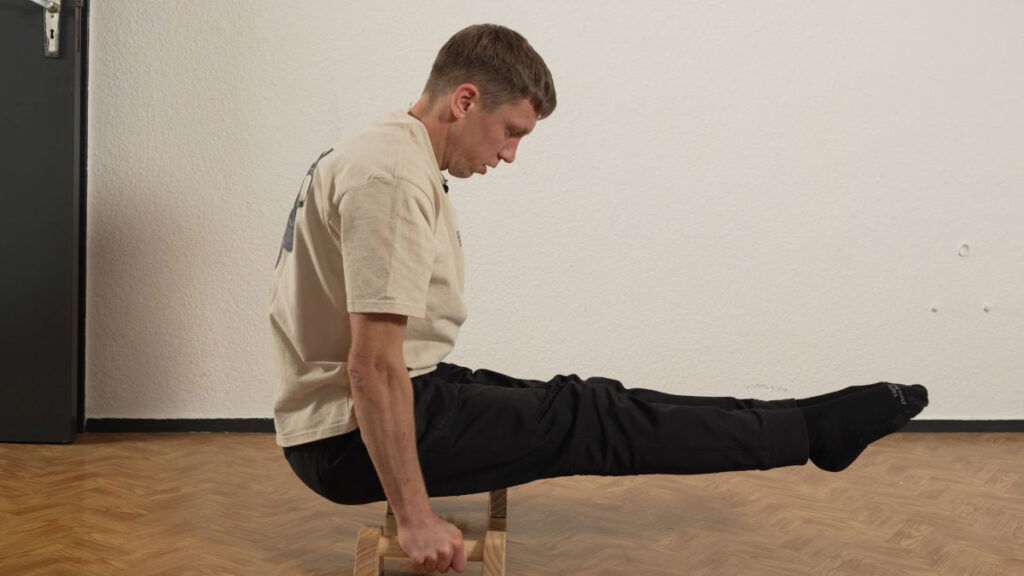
x=191, y=504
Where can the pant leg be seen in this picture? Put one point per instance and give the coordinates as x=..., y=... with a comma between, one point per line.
x=481, y=430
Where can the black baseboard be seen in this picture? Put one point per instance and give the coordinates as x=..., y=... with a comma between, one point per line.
x=266, y=425
x=964, y=426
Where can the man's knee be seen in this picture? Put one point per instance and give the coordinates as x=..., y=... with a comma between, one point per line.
x=596, y=382
x=613, y=385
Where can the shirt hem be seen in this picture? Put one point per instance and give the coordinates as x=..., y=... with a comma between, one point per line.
x=401, y=308
x=290, y=440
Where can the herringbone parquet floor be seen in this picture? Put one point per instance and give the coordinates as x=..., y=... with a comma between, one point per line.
x=205, y=504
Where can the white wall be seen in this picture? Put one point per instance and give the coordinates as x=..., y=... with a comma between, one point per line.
x=733, y=198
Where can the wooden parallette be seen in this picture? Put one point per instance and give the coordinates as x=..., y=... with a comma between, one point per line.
x=375, y=543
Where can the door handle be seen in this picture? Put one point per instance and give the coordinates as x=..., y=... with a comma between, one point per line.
x=51, y=27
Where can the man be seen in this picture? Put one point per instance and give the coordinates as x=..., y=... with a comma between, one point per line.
x=367, y=302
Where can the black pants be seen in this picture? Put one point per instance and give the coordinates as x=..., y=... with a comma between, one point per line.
x=478, y=430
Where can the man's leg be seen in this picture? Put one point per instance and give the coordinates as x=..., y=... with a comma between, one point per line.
x=480, y=430
x=622, y=431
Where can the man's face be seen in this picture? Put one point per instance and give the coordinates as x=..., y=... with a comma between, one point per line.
x=484, y=138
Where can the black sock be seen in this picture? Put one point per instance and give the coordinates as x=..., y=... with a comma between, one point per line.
x=841, y=428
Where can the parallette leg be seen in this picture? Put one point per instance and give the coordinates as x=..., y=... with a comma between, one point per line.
x=368, y=557
x=494, y=553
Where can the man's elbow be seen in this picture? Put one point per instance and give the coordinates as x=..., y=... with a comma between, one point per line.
x=366, y=368
x=376, y=349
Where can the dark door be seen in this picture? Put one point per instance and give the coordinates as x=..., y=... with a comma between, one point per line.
x=41, y=217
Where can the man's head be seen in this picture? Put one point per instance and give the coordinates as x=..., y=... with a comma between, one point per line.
x=486, y=90
x=499, y=62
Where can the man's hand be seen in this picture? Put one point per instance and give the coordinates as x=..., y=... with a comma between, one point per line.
x=433, y=544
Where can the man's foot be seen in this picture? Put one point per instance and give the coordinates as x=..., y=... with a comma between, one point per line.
x=841, y=428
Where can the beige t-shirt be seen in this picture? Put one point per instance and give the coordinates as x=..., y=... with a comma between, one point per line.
x=371, y=230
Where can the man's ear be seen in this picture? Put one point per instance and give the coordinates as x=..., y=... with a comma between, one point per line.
x=464, y=98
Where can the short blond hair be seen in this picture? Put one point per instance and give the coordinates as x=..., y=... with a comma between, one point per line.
x=500, y=62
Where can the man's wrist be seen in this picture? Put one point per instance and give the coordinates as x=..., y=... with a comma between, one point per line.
x=413, y=514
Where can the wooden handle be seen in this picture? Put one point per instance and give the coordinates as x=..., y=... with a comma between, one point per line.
x=389, y=548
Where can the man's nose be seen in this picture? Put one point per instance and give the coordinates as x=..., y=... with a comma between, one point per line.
x=508, y=153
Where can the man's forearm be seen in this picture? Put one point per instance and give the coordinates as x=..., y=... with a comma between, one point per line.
x=384, y=408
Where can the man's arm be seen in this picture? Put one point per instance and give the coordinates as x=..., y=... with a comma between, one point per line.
x=382, y=392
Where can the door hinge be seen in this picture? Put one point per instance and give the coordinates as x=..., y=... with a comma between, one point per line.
x=78, y=25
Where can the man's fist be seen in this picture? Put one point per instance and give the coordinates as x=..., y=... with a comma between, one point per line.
x=433, y=544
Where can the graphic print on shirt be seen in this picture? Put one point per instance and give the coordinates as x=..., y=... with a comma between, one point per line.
x=300, y=201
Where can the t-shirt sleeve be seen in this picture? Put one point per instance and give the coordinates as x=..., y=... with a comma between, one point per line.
x=387, y=247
